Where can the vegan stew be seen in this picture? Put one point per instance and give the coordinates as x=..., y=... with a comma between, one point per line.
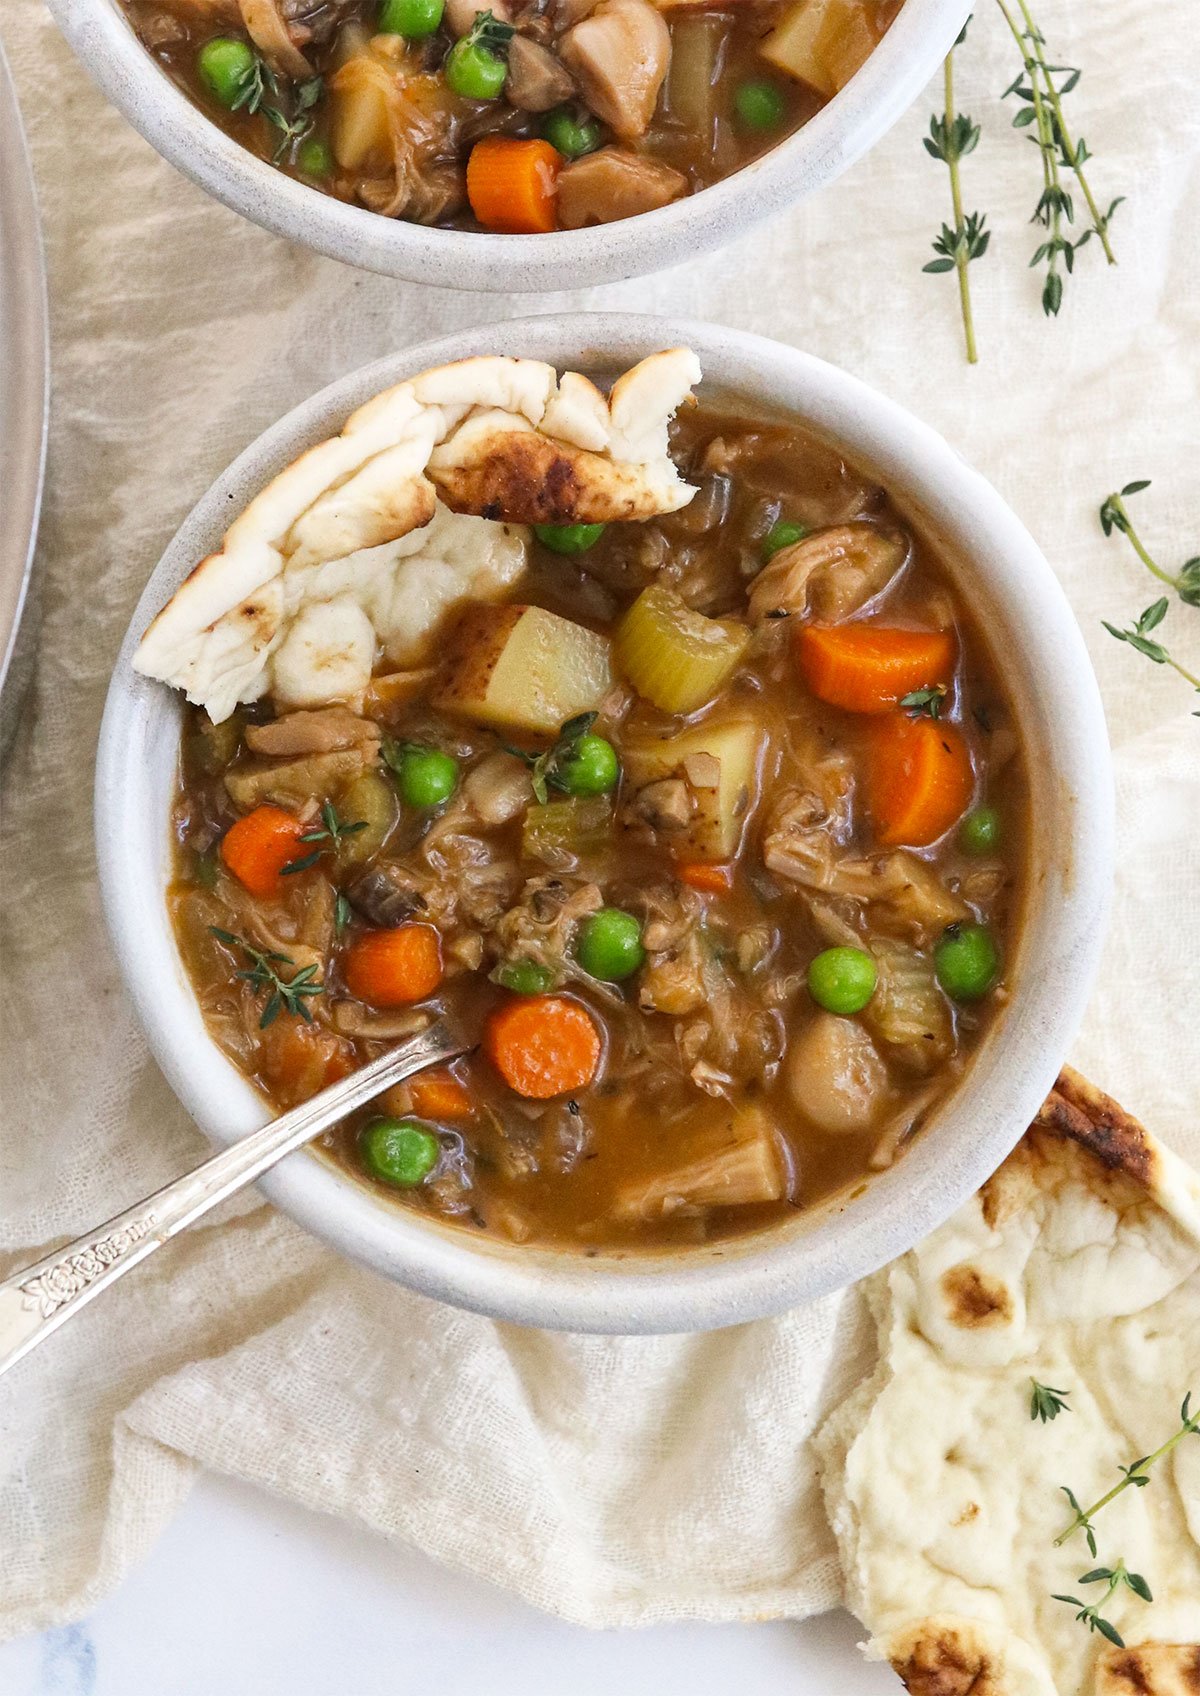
x=532, y=116
x=714, y=828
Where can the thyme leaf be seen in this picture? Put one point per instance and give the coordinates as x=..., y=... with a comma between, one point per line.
x=1091, y=1614
x=545, y=768
x=1046, y=1404
x=926, y=701
x=952, y=136
x=1135, y=1475
x=333, y=831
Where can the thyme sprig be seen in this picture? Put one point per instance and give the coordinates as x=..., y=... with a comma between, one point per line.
x=261, y=91
x=332, y=832
x=1046, y=1404
x=1042, y=111
x=491, y=33
x=1136, y=1476
x=283, y=993
x=1091, y=1614
x=1114, y=516
x=545, y=769
x=951, y=138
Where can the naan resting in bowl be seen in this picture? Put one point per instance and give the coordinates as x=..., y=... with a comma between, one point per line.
x=1076, y=1267
x=422, y=501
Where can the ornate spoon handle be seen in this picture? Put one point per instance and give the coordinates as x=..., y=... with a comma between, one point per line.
x=40, y=1298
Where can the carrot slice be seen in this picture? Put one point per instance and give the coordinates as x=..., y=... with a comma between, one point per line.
x=543, y=1045
x=300, y=1059
x=709, y=880
x=390, y=968
x=918, y=778
x=511, y=184
x=257, y=848
x=439, y=1095
x=866, y=668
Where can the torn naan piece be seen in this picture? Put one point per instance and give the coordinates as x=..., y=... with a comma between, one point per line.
x=363, y=544
x=1076, y=1266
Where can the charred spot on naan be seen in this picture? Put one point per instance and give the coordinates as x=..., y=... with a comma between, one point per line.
x=974, y=1299
x=944, y=1656
x=1075, y=1108
x=1150, y=1669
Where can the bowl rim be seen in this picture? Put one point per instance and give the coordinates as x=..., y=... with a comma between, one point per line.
x=819, y=1252
x=820, y=150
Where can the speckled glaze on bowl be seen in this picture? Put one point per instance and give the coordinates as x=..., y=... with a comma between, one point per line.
x=1019, y=603
x=893, y=76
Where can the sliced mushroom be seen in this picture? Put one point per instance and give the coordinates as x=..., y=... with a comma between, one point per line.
x=537, y=80
x=351, y=1019
x=619, y=56
x=831, y=574
x=325, y=731
x=267, y=30
x=386, y=897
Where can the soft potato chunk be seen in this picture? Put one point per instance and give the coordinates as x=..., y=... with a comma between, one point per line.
x=524, y=669
x=719, y=764
x=739, y=1166
x=822, y=43
x=362, y=95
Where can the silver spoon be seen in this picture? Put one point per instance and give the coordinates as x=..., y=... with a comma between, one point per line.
x=40, y=1298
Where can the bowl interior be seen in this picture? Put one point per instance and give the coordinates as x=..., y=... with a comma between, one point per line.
x=901, y=65
x=1020, y=608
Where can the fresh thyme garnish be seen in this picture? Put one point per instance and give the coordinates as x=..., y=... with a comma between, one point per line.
x=928, y=700
x=342, y=913
x=332, y=832
x=490, y=33
x=1046, y=1404
x=544, y=769
x=1138, y=636
x=259, y=83
x=1136, y=1474
x=1113, y=516
x=284, y=993
x=1092, y=1614
x=1043, y=111
x=951, y=137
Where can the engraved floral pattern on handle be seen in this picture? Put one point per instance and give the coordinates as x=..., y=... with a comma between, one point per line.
x=64, y=1280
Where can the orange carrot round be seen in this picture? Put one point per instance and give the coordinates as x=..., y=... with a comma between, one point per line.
x=919, y=779
x=867, y=668
x=543, y=1045
x=257, y=848
x=511, y=184
x=390, y=968
x=439, y=1095
x=709, y=880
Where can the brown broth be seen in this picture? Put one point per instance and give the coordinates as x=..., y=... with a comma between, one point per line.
x=557, y=1172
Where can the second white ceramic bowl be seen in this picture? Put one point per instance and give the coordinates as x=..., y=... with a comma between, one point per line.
x=1019, y=604
x=891, y=79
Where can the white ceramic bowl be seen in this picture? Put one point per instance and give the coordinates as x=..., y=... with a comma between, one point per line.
x=1024, y=610
x=887, y=84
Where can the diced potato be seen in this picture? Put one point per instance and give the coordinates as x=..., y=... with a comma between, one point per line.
x=722, y=808
x=361, y=95
x=822, y=43
x=674, y=657
x=740, y=1165
x=524, y=669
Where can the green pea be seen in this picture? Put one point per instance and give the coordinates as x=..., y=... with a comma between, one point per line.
x=782, y=535
x=412, y=18
x=473, y=72
x=314, y=157
x=610, y=945
x=400, y=1151
x=842, y=980
x=427, y=777
x=759, y=105
x=979, y=832
x=524, y=977
x=568, y=538
x=591, y=768
x=572, y=136
x=226, y=66
x=967, y=962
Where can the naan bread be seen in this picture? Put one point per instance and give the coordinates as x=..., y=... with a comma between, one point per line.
x=368, y=539
x=1077, y=1264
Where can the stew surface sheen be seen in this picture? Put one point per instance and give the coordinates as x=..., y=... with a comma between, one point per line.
x=714, y=1078
x=618, y=106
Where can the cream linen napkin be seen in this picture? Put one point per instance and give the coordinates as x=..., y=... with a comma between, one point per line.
x=613, y=1481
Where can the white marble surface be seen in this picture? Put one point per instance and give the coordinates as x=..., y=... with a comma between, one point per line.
x=249, y=1596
